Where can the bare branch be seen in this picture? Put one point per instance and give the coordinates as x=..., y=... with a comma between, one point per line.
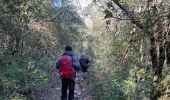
x=118, y=18
x=132, y=17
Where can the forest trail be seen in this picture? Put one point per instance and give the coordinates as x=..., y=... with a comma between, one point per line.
x=53, y=90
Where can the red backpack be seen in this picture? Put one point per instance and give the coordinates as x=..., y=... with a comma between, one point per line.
x=66, y=67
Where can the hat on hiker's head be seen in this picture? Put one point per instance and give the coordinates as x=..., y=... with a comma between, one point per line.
x=68, y=48
x=82, y=55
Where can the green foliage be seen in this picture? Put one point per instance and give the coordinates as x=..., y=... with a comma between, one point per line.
x=23, y=78
x=122, y=69
x=108, y=14
x=28, y=59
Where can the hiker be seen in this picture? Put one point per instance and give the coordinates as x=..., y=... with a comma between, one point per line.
x=85, y=62
x=67, y=65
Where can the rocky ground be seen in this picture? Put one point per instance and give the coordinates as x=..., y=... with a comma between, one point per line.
x=53, y=89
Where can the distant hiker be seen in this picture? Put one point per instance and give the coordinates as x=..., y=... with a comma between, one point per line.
x=67, y=65
x=85, y=62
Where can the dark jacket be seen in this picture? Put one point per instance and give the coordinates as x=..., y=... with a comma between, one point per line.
x=75, y=59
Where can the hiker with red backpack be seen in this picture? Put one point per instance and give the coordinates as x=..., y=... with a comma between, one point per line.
x=67, y=65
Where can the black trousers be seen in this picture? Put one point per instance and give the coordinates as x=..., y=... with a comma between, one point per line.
x=67, y=84
x=85, y=68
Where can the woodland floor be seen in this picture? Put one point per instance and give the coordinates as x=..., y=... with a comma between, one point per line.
x=53, y=89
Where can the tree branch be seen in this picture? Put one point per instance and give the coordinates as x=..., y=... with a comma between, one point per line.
x=118, y=18
x=132, y=17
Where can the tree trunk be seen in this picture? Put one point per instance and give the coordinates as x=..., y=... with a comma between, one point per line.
x=166, y=79
x=153, y=54
x=164, y=95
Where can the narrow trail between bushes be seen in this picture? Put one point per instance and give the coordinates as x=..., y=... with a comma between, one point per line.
x=53, y=90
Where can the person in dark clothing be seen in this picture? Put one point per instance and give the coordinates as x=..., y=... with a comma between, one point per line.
x=85, y=62
x=68, y=83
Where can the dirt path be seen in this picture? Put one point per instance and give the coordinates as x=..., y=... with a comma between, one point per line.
x=53, y=90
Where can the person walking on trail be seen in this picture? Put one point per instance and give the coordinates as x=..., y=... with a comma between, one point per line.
x=67, y=65
x=85, y=62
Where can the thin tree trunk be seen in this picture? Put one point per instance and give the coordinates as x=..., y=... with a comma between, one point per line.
x=166, y=79
x=153, y=54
